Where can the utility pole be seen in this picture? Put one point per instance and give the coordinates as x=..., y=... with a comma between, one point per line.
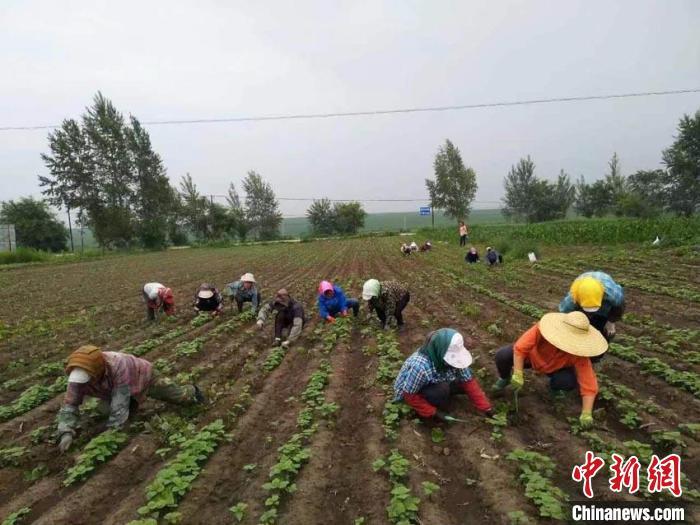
x=70, y=229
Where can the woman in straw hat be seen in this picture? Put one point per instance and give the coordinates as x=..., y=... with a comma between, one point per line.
x=208, y=299
x=438, y=370
x=559, y=345
x=121, y=381
x=245, y=290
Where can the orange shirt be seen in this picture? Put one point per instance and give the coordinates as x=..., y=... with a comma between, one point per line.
x=547, y=358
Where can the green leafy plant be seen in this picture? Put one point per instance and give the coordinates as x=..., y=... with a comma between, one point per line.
x=239, y=511
x=200, y=320
x=175, y=478
x=437, y=435
x=32, y=397
x=11, y=456
x=403, y=505
x=99, y=450
x=536, y=471
x=250, y=467
x=16, y=517
x=429, y=488
x=36, y=473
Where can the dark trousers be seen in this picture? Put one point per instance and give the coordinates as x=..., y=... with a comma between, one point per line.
x=438, y=394
x=563, y=379
x=283, y=325
x=241, y=300
x=598, y=322
x=462, y=240
x=399, y=309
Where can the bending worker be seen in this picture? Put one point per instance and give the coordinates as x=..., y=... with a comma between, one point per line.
x=559, y=345
x=289, y=320
x=332, y=302
x=245, y=290
x=437, y=371
x=387, y=298
x=208, y=299
x=600, y=298
x=158, y=298
x=121, y=381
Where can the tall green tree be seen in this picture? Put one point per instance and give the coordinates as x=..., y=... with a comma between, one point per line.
x=646, y=194
x=454, y=187
x=262, y=208
x=237, y=212
x=105, y=167
x=35, y=226
x=348, y=217
x=194, y=208
x=520, y=187
x=683, y=162
x=152, y=201
x=321, y=217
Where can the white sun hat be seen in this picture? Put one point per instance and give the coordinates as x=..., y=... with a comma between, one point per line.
x=78, y=375
x=205, y=294
x=248, y=278
x=457, y=354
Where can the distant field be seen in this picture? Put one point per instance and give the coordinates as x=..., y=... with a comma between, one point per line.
x=398, y=221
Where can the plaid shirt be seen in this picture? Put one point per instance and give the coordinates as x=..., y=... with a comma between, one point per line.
x=418, y=371
x=614, y=295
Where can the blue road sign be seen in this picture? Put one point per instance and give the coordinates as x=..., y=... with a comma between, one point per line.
x=424, y=210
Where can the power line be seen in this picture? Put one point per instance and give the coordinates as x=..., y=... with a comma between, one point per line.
x=424, y=199
x=385, y=111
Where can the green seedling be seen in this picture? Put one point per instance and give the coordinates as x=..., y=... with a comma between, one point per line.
x=16, y=517
x=429, y=488
x=99, y=450
x=250, y=467
x=239, y=511
x=11, y=456
x=437, y=435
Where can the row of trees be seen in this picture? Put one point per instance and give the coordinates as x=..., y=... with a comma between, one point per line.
x=103, y=168
x=646, y=193
x=341, y=218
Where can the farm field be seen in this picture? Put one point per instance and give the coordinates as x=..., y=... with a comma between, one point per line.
x=310, y=435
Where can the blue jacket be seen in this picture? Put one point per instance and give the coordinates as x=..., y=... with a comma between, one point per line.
x=333, y=305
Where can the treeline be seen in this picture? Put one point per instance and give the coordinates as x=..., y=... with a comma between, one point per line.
x=103, y=169
x=644, y=194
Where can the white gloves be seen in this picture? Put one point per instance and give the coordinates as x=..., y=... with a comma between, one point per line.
x=66, y=442
x=610, y=328
x=259, y=324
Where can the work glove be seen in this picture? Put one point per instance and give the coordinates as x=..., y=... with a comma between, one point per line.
x=330, y=319
x=65, y=442
x=586, y=419
x=610, y=329
x=285, y=344
x=517, y=380
x=259, y=325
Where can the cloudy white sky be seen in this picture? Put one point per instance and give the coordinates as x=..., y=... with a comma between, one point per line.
x=185, y=60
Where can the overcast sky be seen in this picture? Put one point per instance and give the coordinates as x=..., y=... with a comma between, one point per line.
x=184, y=60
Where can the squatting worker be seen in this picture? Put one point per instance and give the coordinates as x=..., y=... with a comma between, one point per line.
x=332, y=302
x=289, y=320
x=387, y=298
x=245, y=290
x=438, y=370
x=600, y=298
x=158, y=298
x=121, y=381
x=559, y=345
x=208, y=299
x=472, y=256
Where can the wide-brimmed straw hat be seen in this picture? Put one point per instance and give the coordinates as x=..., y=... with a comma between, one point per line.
x=248, y=278
x=572, y=333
